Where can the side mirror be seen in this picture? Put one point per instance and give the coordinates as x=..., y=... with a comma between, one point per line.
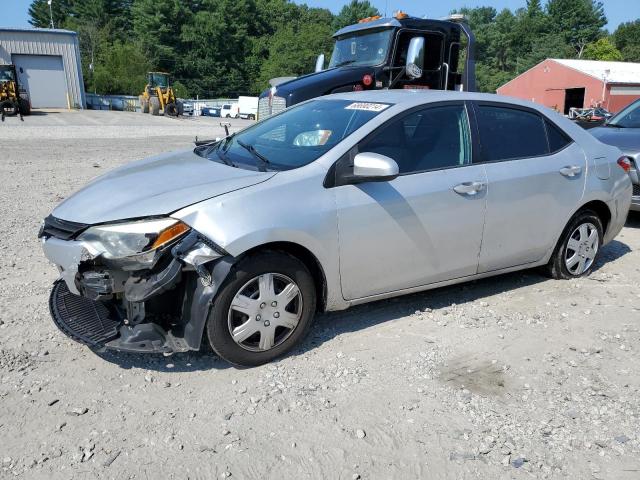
x=320, y=63
x=415, y=58
x=373, y=167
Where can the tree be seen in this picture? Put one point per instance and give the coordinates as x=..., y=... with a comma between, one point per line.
x=40, y=16
x=602, y=49
x=121, y=69
x=580, y=21
x=627, y=40
x=354, y=11
x=294, y=48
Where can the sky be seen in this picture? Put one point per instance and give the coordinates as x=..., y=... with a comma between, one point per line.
x=15, y=12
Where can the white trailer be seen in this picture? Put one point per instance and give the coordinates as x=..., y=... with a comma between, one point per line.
x=248, y=107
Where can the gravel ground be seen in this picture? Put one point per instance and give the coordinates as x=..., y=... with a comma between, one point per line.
x=512, y=377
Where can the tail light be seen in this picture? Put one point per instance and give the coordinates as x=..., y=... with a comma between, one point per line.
x=367, y=80
x=625, y=163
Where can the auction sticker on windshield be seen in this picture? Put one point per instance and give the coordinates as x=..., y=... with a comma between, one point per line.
x=370, y=107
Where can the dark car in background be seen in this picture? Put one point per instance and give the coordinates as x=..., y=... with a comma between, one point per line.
x=210, y=111
x=623, y=131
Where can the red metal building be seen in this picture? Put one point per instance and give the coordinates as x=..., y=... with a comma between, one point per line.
x=563, y=84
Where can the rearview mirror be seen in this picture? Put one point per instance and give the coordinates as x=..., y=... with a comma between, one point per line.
x=320, y=63
x=373, y=167
x=415, y=58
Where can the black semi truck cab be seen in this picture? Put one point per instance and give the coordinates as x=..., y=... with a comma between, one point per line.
x=377, y=53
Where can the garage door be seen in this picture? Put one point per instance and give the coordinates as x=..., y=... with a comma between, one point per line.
x=43, y=77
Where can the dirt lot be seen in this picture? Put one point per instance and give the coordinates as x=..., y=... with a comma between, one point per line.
x=512, y=377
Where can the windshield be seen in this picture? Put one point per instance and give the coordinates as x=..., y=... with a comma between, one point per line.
x=294, y=138
x=6, y=75
x=363, y=48
x=159, y=80
x=627, y=118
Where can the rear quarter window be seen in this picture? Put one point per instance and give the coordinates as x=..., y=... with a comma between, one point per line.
x=508, y=133
x=557, y=138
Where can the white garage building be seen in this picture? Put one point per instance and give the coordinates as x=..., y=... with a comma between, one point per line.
x=48, y=65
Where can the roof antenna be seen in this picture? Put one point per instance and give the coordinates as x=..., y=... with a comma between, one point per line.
x=386, y=4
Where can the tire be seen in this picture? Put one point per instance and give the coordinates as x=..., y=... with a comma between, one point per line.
x=9, y=107
x=227, y=116
x=154, y=106
x=244, y=279
x=577, y=244
x=25, y=106
x=144, y=104
x=171, y=110
x=252, y=117
x=180, y=106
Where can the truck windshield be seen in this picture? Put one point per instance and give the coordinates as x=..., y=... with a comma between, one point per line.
x=294, y=138
x=362, y=48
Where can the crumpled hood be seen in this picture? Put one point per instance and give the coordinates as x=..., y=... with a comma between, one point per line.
x=154, y=186
x=626, y=139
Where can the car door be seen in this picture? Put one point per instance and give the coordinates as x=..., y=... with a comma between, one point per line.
x=424, y=226
x=536, y=178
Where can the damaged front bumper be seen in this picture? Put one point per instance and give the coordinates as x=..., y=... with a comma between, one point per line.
x=162, y=309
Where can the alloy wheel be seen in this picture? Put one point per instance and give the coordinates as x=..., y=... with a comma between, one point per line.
x=264, y=312
x=582, y=248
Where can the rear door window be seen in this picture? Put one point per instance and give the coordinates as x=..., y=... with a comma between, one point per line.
x=509, y=133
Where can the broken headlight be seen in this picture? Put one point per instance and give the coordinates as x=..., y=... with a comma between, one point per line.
x=133, y=244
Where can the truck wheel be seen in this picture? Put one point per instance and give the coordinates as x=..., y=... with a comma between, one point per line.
x=180, y=106
x=9, y=108
x=252, y=117
x=264, y=309
x=154, y=106
x=171, y=110
x=25, y=106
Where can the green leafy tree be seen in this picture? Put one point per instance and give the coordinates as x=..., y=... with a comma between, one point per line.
x=354, y=11
x=294, y=48
x=580, y=21
x=602, y=49
x=121, y=69
x=627, y=40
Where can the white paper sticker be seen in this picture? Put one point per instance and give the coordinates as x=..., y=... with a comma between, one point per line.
x=370, y=107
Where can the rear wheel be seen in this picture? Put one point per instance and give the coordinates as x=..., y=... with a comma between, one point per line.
x=180, y=107
x=144, y=104
x=578, y=247
x=154, y=106
x=265, y=308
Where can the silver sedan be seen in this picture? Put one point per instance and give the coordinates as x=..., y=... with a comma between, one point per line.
x=335, y=202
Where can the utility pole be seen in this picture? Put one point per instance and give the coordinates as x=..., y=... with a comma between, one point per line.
x=51, y=14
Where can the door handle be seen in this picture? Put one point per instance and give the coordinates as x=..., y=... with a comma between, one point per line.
x=469, y=188
x=571, y=171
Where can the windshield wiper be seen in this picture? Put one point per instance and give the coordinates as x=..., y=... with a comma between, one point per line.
x=222, y=156
x=251, y=149
x=614, y=125
x=342, y=64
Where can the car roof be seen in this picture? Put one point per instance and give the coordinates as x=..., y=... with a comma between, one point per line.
x=412, y=97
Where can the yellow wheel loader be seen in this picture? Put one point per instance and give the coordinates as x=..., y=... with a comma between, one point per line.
x=13, y=100
x=158, y=96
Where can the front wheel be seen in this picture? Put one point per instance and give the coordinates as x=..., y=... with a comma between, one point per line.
x=578, y=247
x=264, y=309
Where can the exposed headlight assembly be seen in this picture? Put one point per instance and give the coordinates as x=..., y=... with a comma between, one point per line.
x=133, y=245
